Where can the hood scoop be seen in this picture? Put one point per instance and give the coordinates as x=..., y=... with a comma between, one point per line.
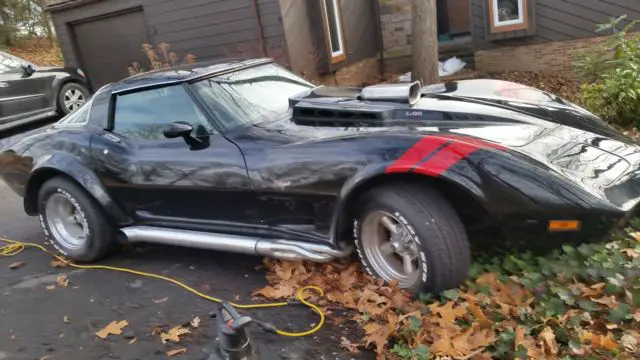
x=351, y=106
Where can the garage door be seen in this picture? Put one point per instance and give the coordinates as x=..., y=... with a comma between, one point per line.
x=108, y=45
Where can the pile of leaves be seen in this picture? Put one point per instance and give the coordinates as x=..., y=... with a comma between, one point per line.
x=572, y=304
x=40, y=52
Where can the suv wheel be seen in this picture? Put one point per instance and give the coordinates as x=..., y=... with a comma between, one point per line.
x=412, y=235
x=73, y=222
x=71, y=97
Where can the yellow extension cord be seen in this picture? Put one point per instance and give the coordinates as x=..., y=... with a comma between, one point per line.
x=15, y=247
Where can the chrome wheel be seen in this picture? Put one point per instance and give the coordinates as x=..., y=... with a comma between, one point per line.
x=73, y=99
x=390, y=248
x=66, y=223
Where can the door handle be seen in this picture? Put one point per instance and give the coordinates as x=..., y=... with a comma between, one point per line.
x=112, y=138
x=4, y=84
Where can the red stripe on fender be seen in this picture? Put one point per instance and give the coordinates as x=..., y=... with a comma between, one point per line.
x=415, y=154
x=446, y=159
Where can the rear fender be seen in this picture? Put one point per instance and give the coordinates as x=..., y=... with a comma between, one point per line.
x=67, y=165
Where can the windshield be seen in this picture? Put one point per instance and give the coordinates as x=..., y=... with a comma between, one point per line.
x=250, y=96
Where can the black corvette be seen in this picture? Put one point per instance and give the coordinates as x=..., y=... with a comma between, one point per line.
x=247, y=157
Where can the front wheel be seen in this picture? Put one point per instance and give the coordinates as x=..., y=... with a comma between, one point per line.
x=412, y=235
x=73, y=221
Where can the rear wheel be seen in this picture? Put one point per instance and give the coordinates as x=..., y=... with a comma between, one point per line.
x=412, y=235
x=73, y=222
x=71, y=97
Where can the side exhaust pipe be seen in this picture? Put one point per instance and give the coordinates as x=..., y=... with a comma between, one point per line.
x=277, y=248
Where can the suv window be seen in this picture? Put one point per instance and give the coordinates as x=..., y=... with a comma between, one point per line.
x=146, y=114
x=9, y=65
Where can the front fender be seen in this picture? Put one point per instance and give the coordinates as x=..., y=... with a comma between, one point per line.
x=65, y=164
x=376, y=174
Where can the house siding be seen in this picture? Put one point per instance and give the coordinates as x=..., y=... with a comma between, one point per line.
x=555, y=20
x=205, y=28
x=306, y=41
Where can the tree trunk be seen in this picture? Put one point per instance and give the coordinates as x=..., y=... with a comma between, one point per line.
x=7, y=29
x=45, y=21
x=424, y=41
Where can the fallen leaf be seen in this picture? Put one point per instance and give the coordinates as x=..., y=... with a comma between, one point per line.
x=58, y=263
x=62, y=280
x=195, y=322
x=16, y=265
x=132, y=341
x=479, y=338
x=598, y=341
x=447, y=313
x=176, y=352
x=636, y=316
x=349, y=346
x=520, y=332
x=483, y=320
x=378, y=334
x=114, y=328
x=156, y=330
x=636, y=235
x=609, y=343
x=348, y=277
x=174, y=334
x=632, y=253
x=50, y=287
x=282, y=290
x=46, y=357
x=66, y=319
x=592, y=291
x=630, y=343
x=159, y=301
x=549, y=340
x=609, y=301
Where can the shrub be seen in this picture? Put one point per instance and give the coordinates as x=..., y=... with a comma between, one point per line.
x=611, y=71
x=162, y=58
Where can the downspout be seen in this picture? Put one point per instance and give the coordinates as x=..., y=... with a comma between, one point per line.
x=263, y=45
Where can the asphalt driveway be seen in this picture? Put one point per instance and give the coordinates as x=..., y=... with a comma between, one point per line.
x=40, y=321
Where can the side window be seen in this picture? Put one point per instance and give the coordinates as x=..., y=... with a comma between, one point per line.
x=147, y=113
x=9, y=65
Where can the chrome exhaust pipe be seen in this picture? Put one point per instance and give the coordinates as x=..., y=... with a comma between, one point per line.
x=277, y=248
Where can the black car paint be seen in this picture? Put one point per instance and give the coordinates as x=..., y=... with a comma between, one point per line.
x=282, y=179
x=28, y=96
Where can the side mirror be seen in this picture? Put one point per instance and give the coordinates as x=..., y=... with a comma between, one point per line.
x=29, y=69
x=178, y=129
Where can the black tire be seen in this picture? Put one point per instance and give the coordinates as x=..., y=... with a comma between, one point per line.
x=431, y=223
x=98, y=240
x=62, y=109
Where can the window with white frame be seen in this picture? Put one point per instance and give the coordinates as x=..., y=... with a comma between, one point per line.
x=508, y=15
x=333, y=30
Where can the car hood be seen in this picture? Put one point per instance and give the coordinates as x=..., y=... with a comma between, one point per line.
x=540, y=128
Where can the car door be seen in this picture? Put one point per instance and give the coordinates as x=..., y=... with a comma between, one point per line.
x=165, y=181
x=21, y=94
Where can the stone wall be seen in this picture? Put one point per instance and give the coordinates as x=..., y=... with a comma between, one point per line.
x=395, y=23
